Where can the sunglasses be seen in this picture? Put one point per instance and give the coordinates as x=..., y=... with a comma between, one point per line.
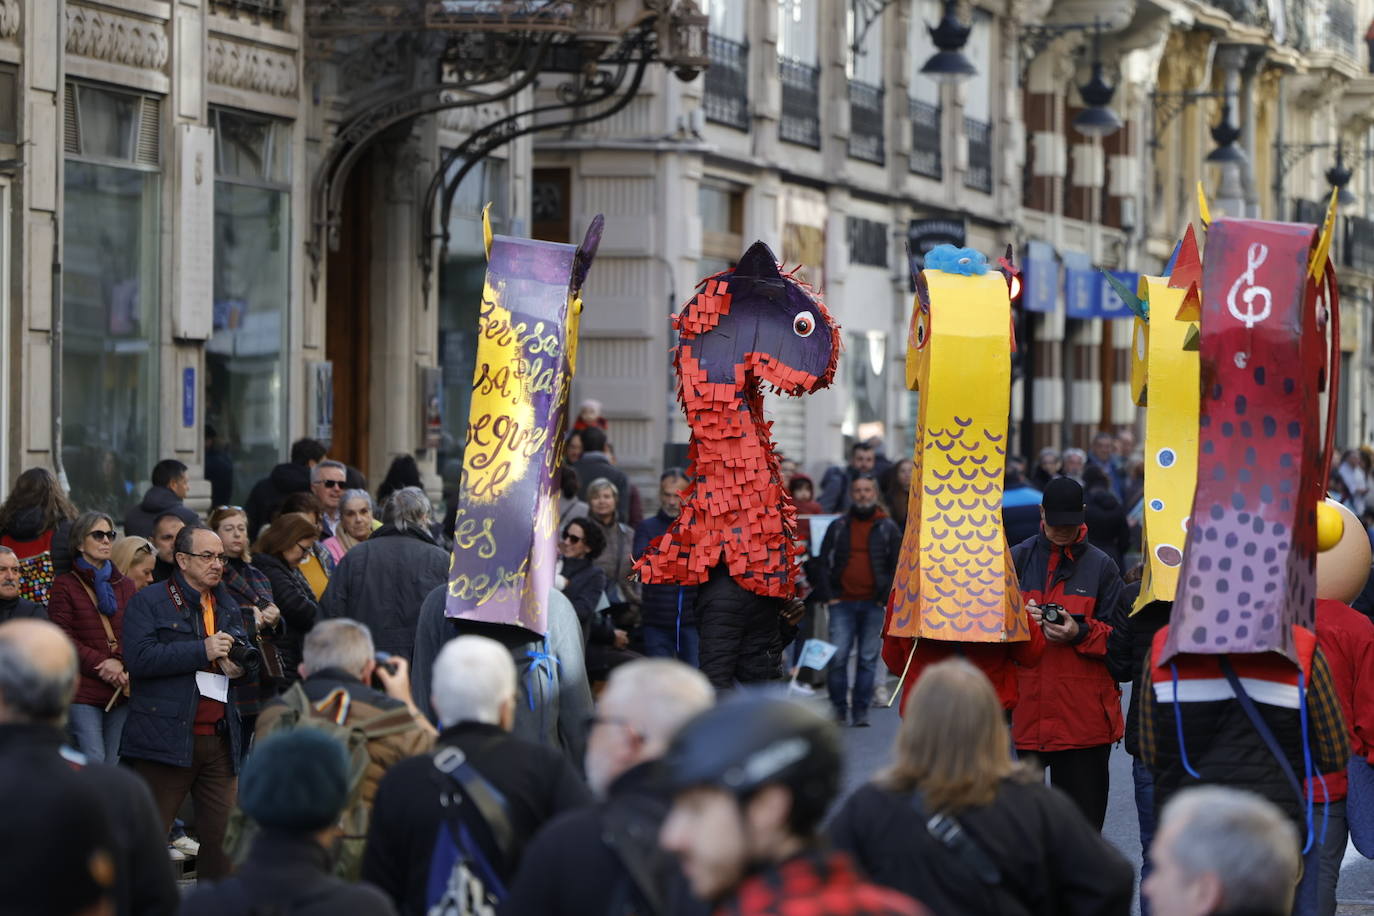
x=333, y=484
x=102, y=535
x=572, y=538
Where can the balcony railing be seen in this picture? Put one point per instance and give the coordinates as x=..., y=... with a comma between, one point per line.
x=801, y=103
x=866, y=122
x=727, y=83
x=1359, y=244
x=979, y=175
x=925, y=139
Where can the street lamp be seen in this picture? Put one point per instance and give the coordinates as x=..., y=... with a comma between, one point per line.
x=1338, y=176
x=1226, y=134
x=949, y=65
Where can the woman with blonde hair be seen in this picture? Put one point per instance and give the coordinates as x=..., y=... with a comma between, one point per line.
x=958, y=824
x=134, y=557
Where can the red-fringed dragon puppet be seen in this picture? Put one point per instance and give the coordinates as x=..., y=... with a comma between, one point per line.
x=735, y=537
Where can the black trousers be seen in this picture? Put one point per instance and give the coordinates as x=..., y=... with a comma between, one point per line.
x=742, y=636
x=1082, y=774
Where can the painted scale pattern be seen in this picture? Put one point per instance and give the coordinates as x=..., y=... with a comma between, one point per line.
x=744, y=329
x=955, y=579
x=1248, y=569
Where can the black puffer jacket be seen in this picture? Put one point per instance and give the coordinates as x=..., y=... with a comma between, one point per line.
x=742, y=634
x=1128, y=648
x=884, y=544
x=1053, y=863
x=299, y=610
x=138, y=521
x=269, y=493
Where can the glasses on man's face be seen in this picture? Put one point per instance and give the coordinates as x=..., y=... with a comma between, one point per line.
x=332, y=484
x=572, y=538
x=209, y=558
x=102, y=535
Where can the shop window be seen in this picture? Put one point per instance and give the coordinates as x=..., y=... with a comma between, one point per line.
x=245, y=358
x=722, y=228
x=110, y=293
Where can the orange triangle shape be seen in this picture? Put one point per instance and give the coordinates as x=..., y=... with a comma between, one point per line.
x=1188, y=266
x=1191, y=309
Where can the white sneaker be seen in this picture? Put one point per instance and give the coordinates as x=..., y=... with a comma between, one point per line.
x=176, y=855
x=186, y=845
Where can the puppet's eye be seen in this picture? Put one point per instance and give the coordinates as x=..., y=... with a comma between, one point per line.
x=804, y=324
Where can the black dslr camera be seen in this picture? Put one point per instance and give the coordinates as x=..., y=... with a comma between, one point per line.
x=244, y=654
x=1053, y=613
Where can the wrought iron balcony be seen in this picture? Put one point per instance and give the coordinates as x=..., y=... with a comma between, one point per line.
x=926, y=156
x=866, y=122
x=801, y=103
x=979, y=135
x=727, y=83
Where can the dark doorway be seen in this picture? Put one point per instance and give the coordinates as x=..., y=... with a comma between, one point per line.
x=348, y=326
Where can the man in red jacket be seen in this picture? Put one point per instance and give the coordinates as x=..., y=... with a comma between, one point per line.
x=1069, y=711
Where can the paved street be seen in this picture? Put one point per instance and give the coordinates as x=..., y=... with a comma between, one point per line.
x=868, y=750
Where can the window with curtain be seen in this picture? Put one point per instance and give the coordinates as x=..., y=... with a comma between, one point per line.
x=245, y=367
x=110, y=293
x=924, y=93
x=978, y=104
x=797, y=28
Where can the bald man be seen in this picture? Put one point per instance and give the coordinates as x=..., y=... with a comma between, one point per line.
x=603, y=858
x=37, y=682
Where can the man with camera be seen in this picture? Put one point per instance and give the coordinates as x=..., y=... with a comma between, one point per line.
x=346, y=679
x=1069, y=711
x=184, y=647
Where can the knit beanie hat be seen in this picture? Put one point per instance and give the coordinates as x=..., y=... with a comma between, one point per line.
x=295, y=780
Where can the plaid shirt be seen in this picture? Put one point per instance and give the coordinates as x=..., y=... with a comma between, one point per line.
x=817, y=884
x=1326, y=725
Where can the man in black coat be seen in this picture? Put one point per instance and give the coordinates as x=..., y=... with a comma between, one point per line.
x=38, y=672
x=604, y=860
x=169, y=488
x=383, y=581
x=13, y=607
x=669, y=612
x=595, y=464
x=292, y=477
x=473, y=693
x=294, y=786
x=858, y=562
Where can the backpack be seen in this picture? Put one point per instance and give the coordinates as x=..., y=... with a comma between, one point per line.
x=329, y=715
x=463, y=881
x=35, y=566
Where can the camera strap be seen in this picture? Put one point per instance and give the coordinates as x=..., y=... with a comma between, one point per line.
x=950, y=834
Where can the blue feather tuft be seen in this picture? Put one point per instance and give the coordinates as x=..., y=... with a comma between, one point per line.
x=953, y=260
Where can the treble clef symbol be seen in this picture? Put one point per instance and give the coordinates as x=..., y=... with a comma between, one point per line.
x=1254, y=257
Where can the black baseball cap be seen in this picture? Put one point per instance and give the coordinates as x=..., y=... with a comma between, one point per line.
x=1063, y=502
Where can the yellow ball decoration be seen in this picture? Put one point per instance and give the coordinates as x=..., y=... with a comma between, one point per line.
x=1330, y=526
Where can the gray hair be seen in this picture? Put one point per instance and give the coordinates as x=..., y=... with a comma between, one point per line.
x=1242, y=839
x=30, y=693
x=340, y=643
x=473, y=678
x=83, y=525
x=407, y=509
x=350, y=495
x=324, y=465
x=662, y=695
x=7, y=550
x=1074, y=453
x=601, y=483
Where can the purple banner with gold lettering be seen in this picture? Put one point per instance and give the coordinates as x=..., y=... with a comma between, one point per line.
x=505, y=531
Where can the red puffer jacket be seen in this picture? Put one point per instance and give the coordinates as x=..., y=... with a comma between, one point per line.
x=1346, y=638
x=72, y=609
x=1070, y=700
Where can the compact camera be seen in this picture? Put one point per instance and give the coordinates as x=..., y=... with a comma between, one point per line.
x=1053, y=613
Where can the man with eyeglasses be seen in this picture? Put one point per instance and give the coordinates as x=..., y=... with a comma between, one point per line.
x=604, y=859
x=327, y=481
x=11, y=605
x=184, y=649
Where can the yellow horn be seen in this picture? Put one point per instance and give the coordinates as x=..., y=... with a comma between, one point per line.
x=486, y=229
x=1203, y=210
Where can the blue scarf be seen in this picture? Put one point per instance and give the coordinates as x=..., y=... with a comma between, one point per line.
x=104, y=592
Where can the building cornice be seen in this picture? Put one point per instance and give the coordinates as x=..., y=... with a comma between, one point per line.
x=251, y=68
x=117, y=38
